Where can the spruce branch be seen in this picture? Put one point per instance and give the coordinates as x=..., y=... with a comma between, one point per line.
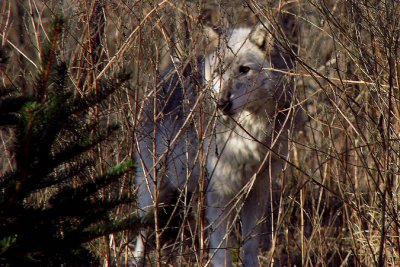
x=53, y=144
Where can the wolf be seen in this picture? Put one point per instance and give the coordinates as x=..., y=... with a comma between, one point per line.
x=250, y=141
x=247, y=146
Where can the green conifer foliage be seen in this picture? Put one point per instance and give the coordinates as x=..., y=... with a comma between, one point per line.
x=53, y=136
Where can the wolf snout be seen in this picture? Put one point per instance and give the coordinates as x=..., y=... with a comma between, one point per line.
x=224, y=105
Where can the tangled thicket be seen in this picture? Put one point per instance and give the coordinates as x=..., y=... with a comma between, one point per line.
x=336, y=202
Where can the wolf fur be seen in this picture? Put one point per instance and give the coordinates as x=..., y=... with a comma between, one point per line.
x=246, y=148
x=250, y=140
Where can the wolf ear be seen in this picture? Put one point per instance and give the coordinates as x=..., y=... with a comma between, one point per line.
x=278, y=39
x=261, y=36
x=211, y=38
x=266, y=38
x=212, y=28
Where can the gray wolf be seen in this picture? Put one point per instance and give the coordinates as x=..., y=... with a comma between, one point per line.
x=247, y=146
x=250, y=141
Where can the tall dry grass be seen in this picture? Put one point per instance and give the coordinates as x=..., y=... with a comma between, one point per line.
x=336, y=203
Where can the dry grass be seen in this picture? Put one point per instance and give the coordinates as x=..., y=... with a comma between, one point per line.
x=338, y=197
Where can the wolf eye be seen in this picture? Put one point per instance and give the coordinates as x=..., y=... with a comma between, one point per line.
x=244, y=69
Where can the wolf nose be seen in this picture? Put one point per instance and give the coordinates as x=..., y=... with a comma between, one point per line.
x=224, y=105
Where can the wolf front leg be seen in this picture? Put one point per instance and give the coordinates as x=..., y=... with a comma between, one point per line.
x=251, y=217
x=219, y=215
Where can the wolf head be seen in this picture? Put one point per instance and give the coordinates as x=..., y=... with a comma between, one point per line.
x=240, y=73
